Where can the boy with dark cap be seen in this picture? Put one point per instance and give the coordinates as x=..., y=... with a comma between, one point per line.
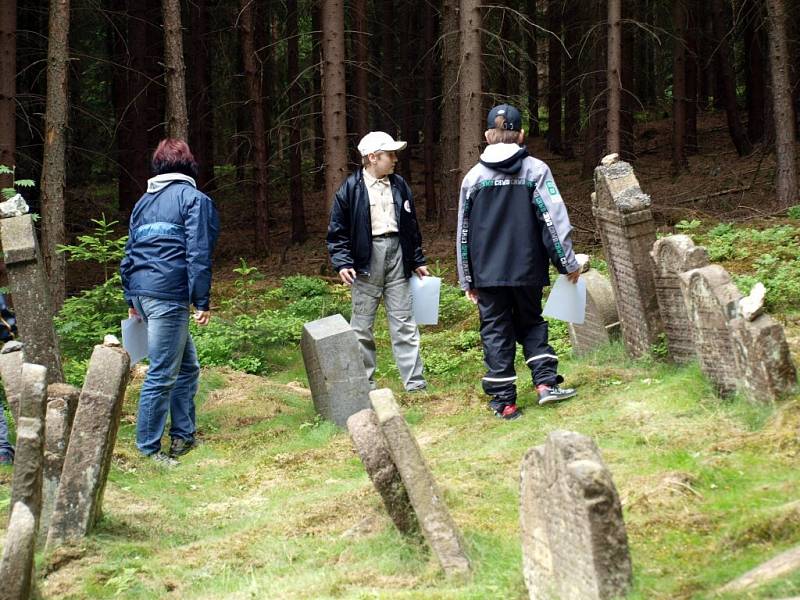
x=511, y=220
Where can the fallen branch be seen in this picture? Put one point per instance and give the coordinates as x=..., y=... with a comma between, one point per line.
x=735, y=190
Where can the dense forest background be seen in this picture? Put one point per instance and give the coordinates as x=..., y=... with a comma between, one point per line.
x=273, y=96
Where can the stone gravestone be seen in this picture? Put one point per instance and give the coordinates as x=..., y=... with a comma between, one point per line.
x=671, y=256
x=26, y=482
x=373, y=449
x=602, y=322
x=28, y=285
x=11, y=359
x=16, y=565
x=335, y=369
x=438, y=527
x=627, y=230
x=574, y=544
x=62, y=401
x=711, y=300
x=91, y=445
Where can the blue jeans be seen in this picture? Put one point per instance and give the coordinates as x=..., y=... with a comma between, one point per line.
x=5, y=447
x=171, y=381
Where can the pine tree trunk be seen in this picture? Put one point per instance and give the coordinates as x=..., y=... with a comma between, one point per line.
x=177, y=116
x=629, y=101
x=448, y=140
x=470, y=92
x=554, y=139
x=573, y=31
x=429, y=116
x=786, y=172
x=389, y=52
x=692, y=75
x=408, y=88
x=533, y=69
x=360, y=102
x=53, y=181
x=595, y=98
x=679, y=21
x=259, y=143
x=8, y=67
x=318, y=145
x=201, y=114
x=754, y=69
x=334, y=103
x=614, y=76
x=299, y=231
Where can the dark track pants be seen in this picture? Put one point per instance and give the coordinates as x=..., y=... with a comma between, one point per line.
x=511, y=315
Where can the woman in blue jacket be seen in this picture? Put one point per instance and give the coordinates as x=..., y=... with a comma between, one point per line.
x=167, y=268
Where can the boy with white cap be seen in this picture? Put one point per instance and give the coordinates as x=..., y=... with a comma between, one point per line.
x=375, y=245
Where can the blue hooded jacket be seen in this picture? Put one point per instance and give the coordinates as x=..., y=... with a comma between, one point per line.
x=171, y=238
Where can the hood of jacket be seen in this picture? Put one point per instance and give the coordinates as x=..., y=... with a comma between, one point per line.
x=505, y=158
x=159, y=182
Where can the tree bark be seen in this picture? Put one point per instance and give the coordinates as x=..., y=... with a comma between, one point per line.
x=408, y=88
x=259, y=142
x=177, y=116
x=8, y=88
x=334, y=103
x=200, y=111
x=470, y=92
x=786, y=172
x=629, y=101
x=318, y=145
x=595, y=99
x=554, y=139
x=299, y=231
x=754, y=69
x=679, y=20
x=429, y=115
x=573, y=31
x=448, y=140
x=389, y=52
x=692, y=74
x=361, y=56
x=614, y=76
x=54, y=150
x=533, y=69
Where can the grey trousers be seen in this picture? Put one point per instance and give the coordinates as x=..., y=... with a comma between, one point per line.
x=386, y=279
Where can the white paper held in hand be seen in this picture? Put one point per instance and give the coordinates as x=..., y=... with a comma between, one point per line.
x=567, y=301
x=425, y=299
x=134, y=338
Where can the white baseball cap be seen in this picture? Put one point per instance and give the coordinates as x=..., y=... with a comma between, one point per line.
x=379, y=141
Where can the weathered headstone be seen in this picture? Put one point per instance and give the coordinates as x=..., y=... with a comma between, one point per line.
x=673, y=255
x=335, y=369
x=27, y=281
x=711, y=299
x=11, y=359
x=16, y=565
x=627, y=230
x=26, y=482
x=574, y=544
x=88, y=459
x=62, y=401
x=602, y=321
x=373, y=449
x=438, y=527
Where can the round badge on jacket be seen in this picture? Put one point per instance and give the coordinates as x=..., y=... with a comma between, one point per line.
x=407, y=206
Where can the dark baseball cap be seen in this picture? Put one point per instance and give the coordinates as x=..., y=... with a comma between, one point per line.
x=513, y=118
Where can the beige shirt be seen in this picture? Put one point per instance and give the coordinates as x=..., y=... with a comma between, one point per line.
x=381, y=204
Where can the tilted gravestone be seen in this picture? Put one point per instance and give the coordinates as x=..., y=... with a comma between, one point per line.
x=711, y=300
x=91, y=445
x=673, y=255
x=574, y=543
x=627, y=230
x=601, y=322
x=62, y=401
x=373, y=449
x=11, y=359
x=26, y=482
x=16, y=565
x=335, y=369
x=27, y=281
x=437, y=525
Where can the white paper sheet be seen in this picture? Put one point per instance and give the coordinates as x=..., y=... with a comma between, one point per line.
x=134, y=338
x=567, y=301
x=425, y=299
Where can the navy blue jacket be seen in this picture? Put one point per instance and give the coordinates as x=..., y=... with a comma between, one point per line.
x=172, y=234
x=350, y=229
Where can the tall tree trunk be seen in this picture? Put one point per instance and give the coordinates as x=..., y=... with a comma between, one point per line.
x=614, y=76
x=554, y=139
x=201, y=114
x=754, y=69
x=259, y=143
x=177, y=115
x=389, y=52
x=727, y=78
x=679, y=20
x=692, y=74
x=299, y=231
x=361, y=56
x=429, y=115
x=334, y=103
x=573, y=26
x=8, y=87
x=316, y=80
x=627, y=137
x=595, y=99
x=408, y=89
x=786, y=172
x=448, y=140
x=533, y=68
x=470, y=91
x=54, y=151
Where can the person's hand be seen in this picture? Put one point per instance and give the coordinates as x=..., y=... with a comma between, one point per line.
x=133, y=313
x=347, y=276
x=472, y=295
x=574, y=276
x=422, y=271
x=202, y=317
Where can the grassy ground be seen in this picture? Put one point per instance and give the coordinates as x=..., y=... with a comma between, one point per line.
x=275, y=504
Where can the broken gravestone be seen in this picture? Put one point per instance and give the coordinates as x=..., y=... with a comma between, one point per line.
x=79, y=497
x=11, y=359
x=627, y=231
x=671, y=256
x=29, y=288
x=438, y=527
x=574, y=543
x=16, y=565
x=373, y=449
x=335, y=369
x=601, y=322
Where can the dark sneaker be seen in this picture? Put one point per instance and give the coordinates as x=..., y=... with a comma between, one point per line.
x=553, y=393
x=163, y=460
x=179, y=446
x=504, y=410
x=6, y=460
